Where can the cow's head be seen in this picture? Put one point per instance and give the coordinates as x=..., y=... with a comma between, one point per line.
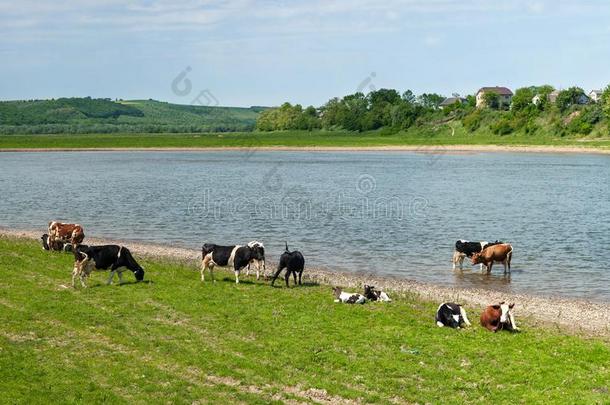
x=139, y=273
x=45, y=241
x=476, y=258
x=505, y=312
x=337, y=292
x=257, y=250
x=368, y=290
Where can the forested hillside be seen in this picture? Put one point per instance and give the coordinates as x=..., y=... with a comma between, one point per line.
x=87, y=115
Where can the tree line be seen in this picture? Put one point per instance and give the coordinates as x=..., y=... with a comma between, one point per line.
x=387, y=108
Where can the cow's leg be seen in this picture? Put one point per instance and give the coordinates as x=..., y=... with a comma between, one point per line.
x=287, y=277
x=511, y=318
x=258, y=270
x=489, y=267
x=205, y=263
x=463, y=313
x=74, y=275
x=275, y=276
x=248, y=270
x=300, y=275
x=236, y=276
x=111, y=277
x=505, y=263
x=294, y=276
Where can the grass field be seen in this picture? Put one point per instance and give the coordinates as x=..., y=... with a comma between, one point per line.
x=291, y=139
x=174, y=339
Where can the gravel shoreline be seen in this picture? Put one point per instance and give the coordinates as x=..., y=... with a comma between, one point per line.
x=569, y=315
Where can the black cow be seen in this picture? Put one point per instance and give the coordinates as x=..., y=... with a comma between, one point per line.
x=464, y=248
x=452, y=315
x=113, y=257
x=293, y=262
x=235, y=256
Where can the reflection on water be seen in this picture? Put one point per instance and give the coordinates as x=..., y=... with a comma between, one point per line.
x=387, y=213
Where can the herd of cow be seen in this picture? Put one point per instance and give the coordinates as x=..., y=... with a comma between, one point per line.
x=69, y=238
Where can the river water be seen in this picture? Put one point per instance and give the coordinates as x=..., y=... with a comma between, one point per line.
x=387, y=213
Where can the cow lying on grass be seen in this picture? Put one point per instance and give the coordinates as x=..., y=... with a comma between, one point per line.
x=452, y=315
x=498, y=317
x=371, y=294
x=348, y=298
x=235, y=256
x=293, y=262
x=116, y=258
x=501, y=253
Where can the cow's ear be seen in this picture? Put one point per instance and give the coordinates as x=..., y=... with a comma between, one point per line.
x=502, y=303
x=496, y=306
x=511, y=305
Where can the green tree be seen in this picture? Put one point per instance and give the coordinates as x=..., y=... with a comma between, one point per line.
x=491, y=100
x=569, y=97
x=431, y=100
x=522, y=99
x=605, y=103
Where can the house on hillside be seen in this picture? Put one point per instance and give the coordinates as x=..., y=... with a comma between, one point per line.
x=595, y=95
x=505, y=95
x=449, y=101
x=553, y=96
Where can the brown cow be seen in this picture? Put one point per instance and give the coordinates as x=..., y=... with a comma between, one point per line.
x=498, y=317
x=59, y=232
x=501, y=253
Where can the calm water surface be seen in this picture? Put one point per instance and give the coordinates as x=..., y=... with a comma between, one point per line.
x=390, y=213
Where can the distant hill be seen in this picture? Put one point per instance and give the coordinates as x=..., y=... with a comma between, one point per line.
x=87, y=115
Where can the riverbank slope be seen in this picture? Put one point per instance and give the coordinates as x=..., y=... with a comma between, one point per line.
x=175, y=339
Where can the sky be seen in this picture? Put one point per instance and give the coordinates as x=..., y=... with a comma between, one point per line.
x=251, y=52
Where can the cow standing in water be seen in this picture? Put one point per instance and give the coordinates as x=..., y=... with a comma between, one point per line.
x=501, y=253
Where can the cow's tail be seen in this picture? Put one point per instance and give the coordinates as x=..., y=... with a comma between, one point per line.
x=286, y=242
x=509, y=256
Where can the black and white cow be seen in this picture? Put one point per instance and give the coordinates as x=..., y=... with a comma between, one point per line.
x=372, y=294
x=56, y=245
x=255, y=262
x=348, y=298
x=293, y=262
x=113, y=257
x=464, y=248
x=235, y=256
x=452, y=315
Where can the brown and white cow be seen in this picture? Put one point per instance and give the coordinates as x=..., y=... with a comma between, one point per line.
x=501, y=253
x=498, y=317
x=60, y=232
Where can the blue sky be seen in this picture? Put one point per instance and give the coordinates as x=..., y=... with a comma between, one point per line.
x=248, y=52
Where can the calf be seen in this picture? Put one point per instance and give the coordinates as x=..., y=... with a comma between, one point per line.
x=502, y=253
x=235, y=256
x=497, y=317
x=452, y=315
x=348, y=298
x=371, y=294
x=256, y=262
x=73, y=233
x=113, y=257
x=464, y=248
x=293, y=262
x=48, y=244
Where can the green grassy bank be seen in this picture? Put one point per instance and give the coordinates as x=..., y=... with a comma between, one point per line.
x=446, y=136
x=175, y=339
